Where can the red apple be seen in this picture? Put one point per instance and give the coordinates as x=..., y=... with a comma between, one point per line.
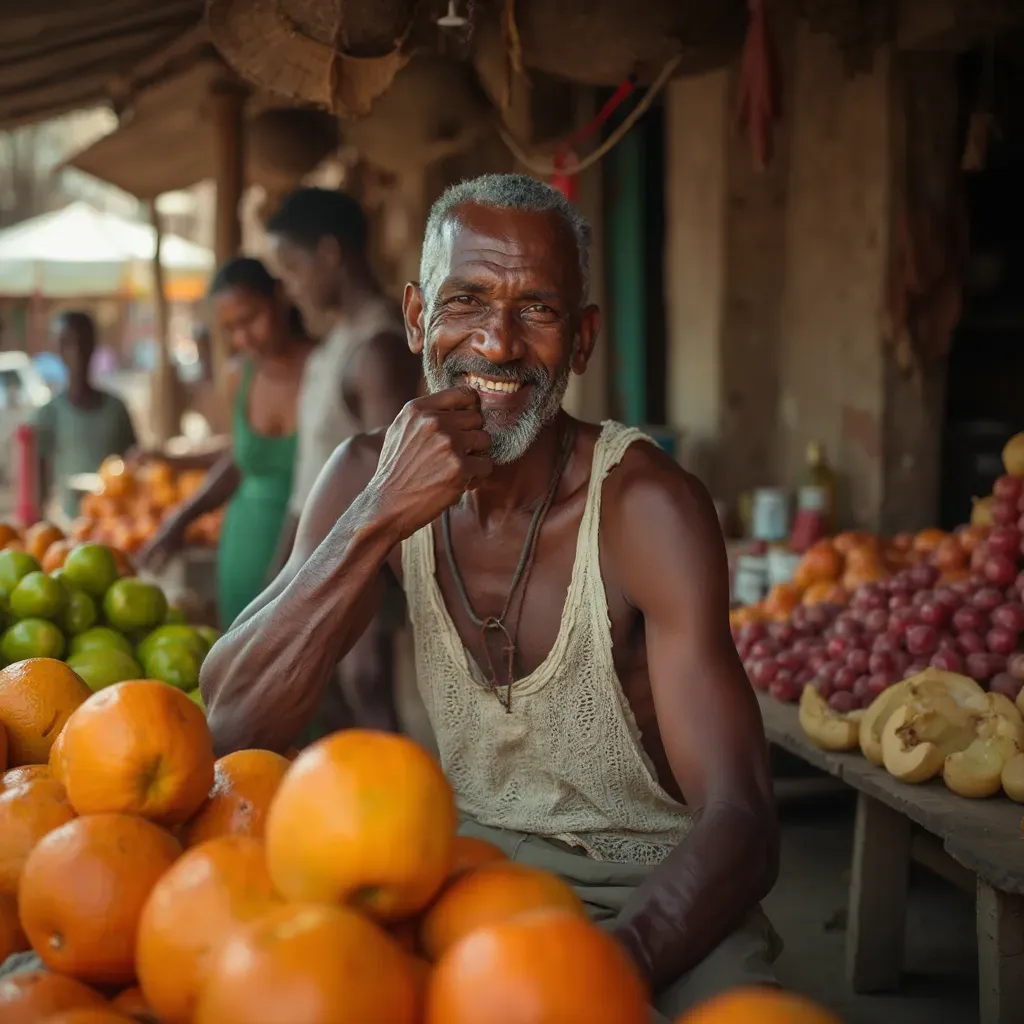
x=987, y=599
x=922, y=640
x=1004, y=683
x=1004, y=512
x=1001, y=641
x=842, y=701
x=948, y=661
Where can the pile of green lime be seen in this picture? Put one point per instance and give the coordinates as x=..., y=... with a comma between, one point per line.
x=106, y=628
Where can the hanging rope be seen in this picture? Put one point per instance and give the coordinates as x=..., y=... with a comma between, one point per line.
x=546, y=167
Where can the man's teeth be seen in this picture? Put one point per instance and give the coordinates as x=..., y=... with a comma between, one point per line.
x=482, y=384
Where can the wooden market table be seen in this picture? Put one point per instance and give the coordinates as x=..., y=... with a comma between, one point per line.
x=980, y=840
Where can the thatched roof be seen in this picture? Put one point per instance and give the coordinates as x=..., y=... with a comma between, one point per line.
x=61, y=55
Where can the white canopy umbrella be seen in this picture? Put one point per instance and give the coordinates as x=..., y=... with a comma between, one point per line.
x=79, y=251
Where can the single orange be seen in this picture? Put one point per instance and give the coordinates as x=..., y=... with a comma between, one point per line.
x=7, y=534
x=54, y=556
x=244, y=783
x=764, y=1005
x=32, y=996
x=37, y=697
x=39, y=537
x=309, y=963
x=488, y=895
x=546, y=967
x=209, y=892
x=470, y=852
x=82, y=891
x=26, y=773
x=139, y=747
x=28, y=813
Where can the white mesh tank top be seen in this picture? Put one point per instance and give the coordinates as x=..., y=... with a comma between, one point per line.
x=567, y=762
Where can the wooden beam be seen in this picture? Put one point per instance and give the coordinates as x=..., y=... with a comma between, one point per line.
x=228, y=96
x=162, y=382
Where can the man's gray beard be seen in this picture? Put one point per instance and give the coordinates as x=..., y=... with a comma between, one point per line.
x=510, y=440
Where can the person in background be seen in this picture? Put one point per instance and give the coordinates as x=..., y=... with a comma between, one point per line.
x=82, y=425
x=358, y=379
x=255, y=474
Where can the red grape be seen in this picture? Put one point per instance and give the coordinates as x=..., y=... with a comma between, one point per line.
x=842, y=701
x=844, y=679
x=1001, y=641
x=970, y=618
x=1009, y=616
x=971, y=642
x=1004, y=540
x=987, y=598
x=1004, y=683
x=1008, y=488
x=948, y=661
x=1000, y=570
x=922, y=640
x=858, y=659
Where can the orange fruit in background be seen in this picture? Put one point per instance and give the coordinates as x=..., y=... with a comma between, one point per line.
x=488, y=895
x=821, y=563
x=781, y=600
x=949, y=555
x=848, y=540
x=82, y=891
x=825, y=593
x=546, y=967
x=40, y=537
x=210, y=891
x=56, y=763
x=12, y=937
x=244, y=783
x=470, y=852
x=118, y=479
x=82, y=528
x=365, y=818
x=32, y=996
x=139, y=747
x=763, y=1005
x=97, y=1015
x=8, y=533
x=926, y=541
x=53, y=557
x=970, y=537
x=37, y=696
x=309, y=964
x=27, y=813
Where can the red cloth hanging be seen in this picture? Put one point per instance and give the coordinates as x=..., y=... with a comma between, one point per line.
x=759, y=99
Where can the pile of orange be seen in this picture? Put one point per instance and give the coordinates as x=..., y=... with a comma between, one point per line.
x=157, y=884
x=132, y=503
x=48, y=545
x=833, y=568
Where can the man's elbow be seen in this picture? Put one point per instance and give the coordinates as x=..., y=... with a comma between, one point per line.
x=768, y=849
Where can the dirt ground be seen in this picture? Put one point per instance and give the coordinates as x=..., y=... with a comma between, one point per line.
x=808, y=908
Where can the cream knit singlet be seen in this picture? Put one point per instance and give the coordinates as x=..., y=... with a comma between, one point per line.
x=567, y=762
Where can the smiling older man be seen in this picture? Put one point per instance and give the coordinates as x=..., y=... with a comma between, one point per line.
x=568, y=590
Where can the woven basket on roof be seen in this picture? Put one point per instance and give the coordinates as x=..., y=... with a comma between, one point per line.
x=602, y=42
x=285, y=143
x=337, y=54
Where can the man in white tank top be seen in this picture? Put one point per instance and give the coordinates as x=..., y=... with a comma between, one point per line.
x=568, y=590
x=357, y=379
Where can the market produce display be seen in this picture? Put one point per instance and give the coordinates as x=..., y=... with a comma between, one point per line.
x=157, y=884
x=133, y=503
x=910, y=650
x=78, y=602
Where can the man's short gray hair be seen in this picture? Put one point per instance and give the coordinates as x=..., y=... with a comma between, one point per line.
x=500, y=192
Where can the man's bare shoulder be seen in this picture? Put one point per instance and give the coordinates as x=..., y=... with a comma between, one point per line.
x=649, y=490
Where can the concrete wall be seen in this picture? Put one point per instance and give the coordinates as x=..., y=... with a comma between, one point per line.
x=777, y=282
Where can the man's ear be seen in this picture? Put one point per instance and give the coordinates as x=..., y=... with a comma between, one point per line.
x=586, y=338
x=412, y=310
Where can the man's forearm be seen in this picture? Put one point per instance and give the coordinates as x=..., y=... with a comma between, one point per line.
x=701, y=892
x=285, y=543
x=263, y=678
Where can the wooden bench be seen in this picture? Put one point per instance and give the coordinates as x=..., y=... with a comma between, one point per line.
x=979, y=837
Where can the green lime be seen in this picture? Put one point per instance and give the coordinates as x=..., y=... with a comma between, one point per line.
x=162, y=635
x=62, y=578
x=100, y=638
x=13, y=566
x=197, y=697
x=175, y=616
x=100, y=668
x=32, y=638
x=38, y=596
x=79, y=615
x=131, y=605
x=209, y=635
x=91, y=567
x=174, y=663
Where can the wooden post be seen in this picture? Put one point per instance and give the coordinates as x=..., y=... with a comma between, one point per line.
x=163, y=388
x=1000, y=955
x=228, y=106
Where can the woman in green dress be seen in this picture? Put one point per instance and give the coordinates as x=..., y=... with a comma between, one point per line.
x=254, y=476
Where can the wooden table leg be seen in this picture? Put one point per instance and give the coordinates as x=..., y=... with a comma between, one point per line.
x=1000, y=919
x=878, y=897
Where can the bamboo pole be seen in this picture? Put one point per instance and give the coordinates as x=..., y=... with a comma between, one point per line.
x=162, y=392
